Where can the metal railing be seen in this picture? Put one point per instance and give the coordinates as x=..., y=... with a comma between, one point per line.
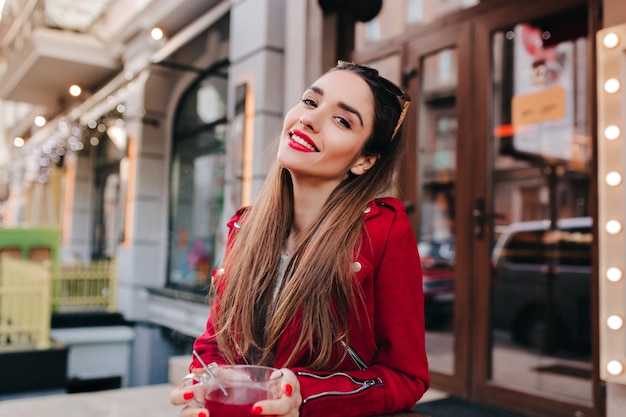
x=85, y=287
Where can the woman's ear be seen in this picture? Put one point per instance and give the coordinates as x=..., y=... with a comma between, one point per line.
x=363, y=164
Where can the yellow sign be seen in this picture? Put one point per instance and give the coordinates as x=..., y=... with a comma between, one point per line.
x=543, y=106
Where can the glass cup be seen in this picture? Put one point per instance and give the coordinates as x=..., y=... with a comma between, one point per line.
x=236, y=388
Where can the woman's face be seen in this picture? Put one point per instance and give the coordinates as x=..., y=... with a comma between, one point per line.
x=323, y=135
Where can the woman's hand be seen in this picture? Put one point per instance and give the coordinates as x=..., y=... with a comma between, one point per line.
x=288, y=405
x=191, y=396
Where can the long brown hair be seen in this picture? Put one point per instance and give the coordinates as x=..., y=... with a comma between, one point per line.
x=317, y=288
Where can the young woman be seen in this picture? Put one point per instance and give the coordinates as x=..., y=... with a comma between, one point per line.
x=321, y=276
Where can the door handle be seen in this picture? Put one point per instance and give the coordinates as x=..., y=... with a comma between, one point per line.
x=480, y=217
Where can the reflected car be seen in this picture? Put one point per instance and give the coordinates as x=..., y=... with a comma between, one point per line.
x=542, y=284
x=437, y=259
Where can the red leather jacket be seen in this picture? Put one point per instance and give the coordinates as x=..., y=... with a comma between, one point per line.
x=386, y=368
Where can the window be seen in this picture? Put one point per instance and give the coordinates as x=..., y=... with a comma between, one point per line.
x=110, y=190
x=197, y=183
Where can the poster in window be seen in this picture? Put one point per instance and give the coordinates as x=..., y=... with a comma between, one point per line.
x=542, y=107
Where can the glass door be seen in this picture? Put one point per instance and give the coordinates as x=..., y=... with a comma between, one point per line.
x=541, y=178
x=533, y=213
x=441, y=155
x=436, y=211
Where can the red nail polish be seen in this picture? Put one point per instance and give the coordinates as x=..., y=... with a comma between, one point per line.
x=288, y=390
x=256, y=410
x=188, y=395
x=202, y=414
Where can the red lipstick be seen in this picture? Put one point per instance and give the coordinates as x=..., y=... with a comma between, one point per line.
x=301, y=141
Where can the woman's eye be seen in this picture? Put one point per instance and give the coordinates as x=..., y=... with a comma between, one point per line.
x=309, y=102
x=343, y=122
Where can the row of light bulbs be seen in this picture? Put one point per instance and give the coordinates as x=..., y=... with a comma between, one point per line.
x=611, y=203
x=75, y=90
x=70, y=137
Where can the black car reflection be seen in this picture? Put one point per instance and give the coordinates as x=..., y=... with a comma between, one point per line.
x=542, y=284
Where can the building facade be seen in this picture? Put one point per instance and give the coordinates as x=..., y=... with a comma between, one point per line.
x=512, y=175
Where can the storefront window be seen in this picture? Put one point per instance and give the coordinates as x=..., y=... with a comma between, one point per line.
x=395, y=16
x=197, y=183
x=109, y=134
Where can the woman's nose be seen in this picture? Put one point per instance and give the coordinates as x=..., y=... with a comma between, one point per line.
x=306, y=120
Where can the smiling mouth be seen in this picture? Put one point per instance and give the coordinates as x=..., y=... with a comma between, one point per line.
x=305, y=142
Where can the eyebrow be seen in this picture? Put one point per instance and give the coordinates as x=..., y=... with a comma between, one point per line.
x=343, y=105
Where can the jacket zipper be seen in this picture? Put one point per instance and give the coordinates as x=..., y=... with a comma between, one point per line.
x=358, y=361
x=239, y=351
x=365, y=384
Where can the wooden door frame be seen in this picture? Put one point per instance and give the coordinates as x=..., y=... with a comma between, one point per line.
x=484, y=389
x=456, y=36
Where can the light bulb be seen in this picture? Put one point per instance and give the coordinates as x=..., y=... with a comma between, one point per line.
x=613, y=227
x=156, y=33
x=614, y=274
x=615, y=367
x=610, y=40
x=612, y=132
x=40, y=121
x=614, y=322
x=612, y=85
x=75, y=90
x=613, y=178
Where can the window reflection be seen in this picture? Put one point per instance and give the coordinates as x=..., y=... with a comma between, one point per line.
x=437, y=139
x=110, y=187
x=197, y=183
x=211, y=105
x=541, y=194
